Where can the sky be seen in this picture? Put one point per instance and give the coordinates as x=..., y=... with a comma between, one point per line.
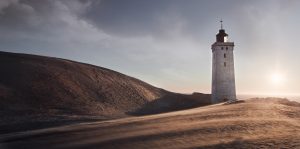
x=166, y=43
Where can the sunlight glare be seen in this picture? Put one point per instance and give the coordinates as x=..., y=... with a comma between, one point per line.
x=277, y=78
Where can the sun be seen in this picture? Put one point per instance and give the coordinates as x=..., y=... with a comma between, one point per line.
x=277, y=78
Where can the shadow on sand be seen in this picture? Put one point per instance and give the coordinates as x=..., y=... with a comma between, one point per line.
x=172, y=102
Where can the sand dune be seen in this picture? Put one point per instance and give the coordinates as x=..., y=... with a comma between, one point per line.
x=111, y=110
x=38, y=92
x=255, y=123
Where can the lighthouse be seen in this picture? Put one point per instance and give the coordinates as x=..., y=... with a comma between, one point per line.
x=223, y=79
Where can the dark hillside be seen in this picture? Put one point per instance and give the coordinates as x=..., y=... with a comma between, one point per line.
x=44, y=88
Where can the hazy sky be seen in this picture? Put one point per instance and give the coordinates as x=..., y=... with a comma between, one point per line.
x=163, y=42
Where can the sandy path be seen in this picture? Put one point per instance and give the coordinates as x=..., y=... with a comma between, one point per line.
x=252, y=124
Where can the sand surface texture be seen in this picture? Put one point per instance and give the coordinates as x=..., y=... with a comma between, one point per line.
x=255, y=123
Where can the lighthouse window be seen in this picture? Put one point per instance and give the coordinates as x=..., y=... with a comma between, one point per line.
x=224, y=64
x=224, y=55
x=226, y=48
x=221, y=48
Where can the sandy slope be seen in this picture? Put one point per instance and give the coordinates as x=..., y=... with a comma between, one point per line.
x=256, y=123
x=38, y=91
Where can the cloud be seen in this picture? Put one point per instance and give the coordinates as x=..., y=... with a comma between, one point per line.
x=151, y=39
x=46, y=21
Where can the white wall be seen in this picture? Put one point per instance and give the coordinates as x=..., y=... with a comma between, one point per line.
x=223, y=79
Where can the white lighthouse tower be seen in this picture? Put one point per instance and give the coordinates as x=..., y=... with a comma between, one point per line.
x=223, y=81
